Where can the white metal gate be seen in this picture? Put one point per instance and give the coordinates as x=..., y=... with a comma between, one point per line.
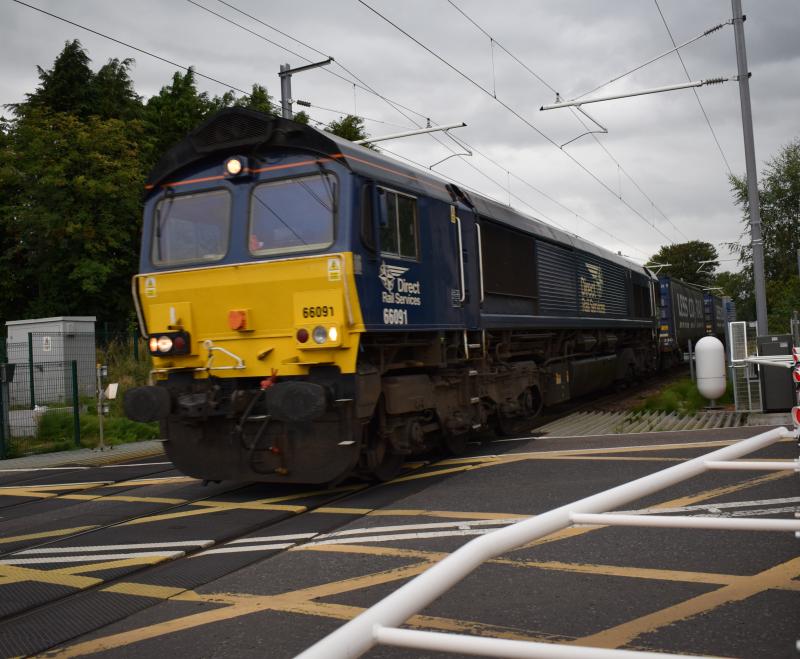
x=380, y=623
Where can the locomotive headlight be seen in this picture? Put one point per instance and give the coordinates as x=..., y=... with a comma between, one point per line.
x=320, y=334
x=333, y=334
x=174, y=343
x=164, y=344
x=233, y=166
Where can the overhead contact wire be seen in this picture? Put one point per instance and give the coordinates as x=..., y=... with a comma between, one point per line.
x=521, y=118
x=696, y=95
x=552, y=89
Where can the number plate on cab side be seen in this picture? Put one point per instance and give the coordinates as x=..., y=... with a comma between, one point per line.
x=323, y=307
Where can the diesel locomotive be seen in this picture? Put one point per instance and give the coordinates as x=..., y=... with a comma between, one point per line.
x=315, y=309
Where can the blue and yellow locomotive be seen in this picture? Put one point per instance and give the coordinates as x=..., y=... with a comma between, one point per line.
x=315, y=309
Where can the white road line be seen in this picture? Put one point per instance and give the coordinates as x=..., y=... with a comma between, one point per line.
x=512, y=439
x=294, y=536
x=4, y=471
x=96, y=548
x=711, y=507
x=396, y=536
x=464, y=525
x=236, y=550
x=91, y=557
x=136, y=464
x=761, y=511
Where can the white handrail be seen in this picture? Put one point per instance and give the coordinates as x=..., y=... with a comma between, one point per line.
x=364, y=631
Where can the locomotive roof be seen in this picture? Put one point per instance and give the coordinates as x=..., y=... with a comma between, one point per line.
x=242, y=131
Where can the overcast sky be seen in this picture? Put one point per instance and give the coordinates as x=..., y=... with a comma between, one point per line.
x=657, y=176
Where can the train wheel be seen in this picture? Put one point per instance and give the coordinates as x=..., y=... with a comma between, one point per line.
x=382, y=462
x=530, y=404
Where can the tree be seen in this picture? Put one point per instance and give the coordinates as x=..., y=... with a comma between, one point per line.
x=686, y=261
x=257, y=99
x=70, y=215
x=779, y=193
x=113, y=96
x=350, y=128
x=176, y=110
x=67, y=87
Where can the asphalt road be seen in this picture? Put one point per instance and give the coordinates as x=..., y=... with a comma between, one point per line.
x=139, y=561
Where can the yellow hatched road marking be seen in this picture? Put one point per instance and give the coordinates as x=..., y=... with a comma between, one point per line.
x=45, y=534
x=741, y=588
x=73, y=575
x=15, y=574
x=705, y=495
x=241, y=605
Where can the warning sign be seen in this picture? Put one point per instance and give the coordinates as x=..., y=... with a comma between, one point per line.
x=334, y=270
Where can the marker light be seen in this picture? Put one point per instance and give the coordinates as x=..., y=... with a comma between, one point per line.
x=302, y=335
x=233, y=166
x=320, y=334
x=174, y=343
x=333, y=334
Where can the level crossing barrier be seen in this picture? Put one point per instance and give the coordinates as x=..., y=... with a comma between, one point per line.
x=380, y=624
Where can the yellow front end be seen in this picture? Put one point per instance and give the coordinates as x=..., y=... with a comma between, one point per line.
x=256, y=319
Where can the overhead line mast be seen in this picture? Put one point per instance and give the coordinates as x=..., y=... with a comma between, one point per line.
x=756, y=241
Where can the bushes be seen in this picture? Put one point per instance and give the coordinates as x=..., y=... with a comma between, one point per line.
x=682, y=397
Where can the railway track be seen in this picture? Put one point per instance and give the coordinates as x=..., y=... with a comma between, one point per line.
x=73, y=543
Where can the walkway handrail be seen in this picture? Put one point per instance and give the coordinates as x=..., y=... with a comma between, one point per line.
x=373, y=625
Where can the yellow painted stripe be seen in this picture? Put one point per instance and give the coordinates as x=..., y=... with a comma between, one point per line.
x=112, y=565
x=45, y=534
x=344, y=511
x=430, y=474
x=248, y=505
x=155, y=592
x=156, y=481
x=15, y=574
x=125, y=498
x=722, y=491
x=740, y=589
x=242, y=605
x=624, y=571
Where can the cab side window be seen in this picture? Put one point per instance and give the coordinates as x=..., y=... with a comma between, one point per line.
x=399, y=225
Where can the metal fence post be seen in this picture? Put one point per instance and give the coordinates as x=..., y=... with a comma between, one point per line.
x=76, y=408
x=30, y=370
x=135, y=336
x=3, y=389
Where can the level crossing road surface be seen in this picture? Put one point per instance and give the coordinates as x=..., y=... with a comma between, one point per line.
x=137, y=560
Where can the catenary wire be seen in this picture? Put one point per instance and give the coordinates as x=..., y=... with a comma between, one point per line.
x=551, y=88
x=220, y=82
x=696, y=95
x=399, y=108
x=132, y=47
x=676, y=48
x=521, y=118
